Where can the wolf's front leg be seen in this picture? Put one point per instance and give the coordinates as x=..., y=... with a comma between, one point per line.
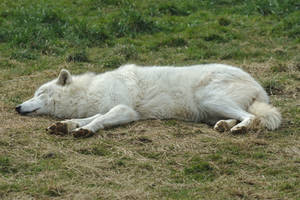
x=120, y=114
x=65, y=127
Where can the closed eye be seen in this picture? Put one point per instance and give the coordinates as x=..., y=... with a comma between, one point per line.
x=40, y=93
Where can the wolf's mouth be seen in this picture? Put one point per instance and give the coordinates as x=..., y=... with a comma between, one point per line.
x=26, y=112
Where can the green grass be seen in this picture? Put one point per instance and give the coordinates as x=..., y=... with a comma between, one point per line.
x=47, y=28
x=149, y=159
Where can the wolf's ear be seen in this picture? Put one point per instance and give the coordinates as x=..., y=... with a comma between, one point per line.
x=64, y=78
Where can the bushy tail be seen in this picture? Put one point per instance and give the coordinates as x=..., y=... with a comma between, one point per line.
x=268, y=115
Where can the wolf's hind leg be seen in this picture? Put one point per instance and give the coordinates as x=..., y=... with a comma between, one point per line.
x=120, y=114
x=246, y=124
x=229, y=110
x=225, y=125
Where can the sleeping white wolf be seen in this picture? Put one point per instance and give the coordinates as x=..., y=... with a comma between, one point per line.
x=216, y=94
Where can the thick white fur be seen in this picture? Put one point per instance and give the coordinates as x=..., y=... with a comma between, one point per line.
x=201, y=93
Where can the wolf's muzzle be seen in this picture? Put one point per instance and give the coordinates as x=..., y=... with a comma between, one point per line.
x=18, y=109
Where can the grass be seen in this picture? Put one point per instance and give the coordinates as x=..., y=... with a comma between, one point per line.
x=150, y=159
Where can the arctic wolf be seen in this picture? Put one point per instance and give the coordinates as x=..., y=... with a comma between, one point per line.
x=217, y=94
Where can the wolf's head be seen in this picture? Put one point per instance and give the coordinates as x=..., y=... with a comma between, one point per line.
x=43, y=101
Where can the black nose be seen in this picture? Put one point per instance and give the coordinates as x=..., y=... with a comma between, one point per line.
x=18, y=109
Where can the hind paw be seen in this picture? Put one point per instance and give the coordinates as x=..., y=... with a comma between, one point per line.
x=225, y=125
x=82, y=133
x=221, y=126
x=239, y=130
x=58, y=129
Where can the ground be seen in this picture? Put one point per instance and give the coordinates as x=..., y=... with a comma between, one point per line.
x=151, y=159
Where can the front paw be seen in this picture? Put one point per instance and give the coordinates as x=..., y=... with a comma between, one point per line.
x=71, y=124
x=58, y=129
x=82, y=133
